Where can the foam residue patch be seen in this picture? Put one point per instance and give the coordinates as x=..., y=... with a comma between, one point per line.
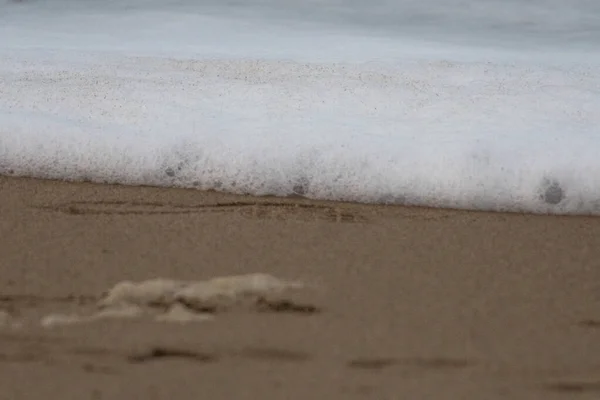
x=8, y=321
x=5, y=318
x=152, y=292
x=125, y=311
x=224, y=292
x=179, y=301
x=180, y=313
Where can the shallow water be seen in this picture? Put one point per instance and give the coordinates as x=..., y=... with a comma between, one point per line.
x=472, y=104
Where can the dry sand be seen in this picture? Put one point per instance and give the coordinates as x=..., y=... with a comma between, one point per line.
x=407, y=303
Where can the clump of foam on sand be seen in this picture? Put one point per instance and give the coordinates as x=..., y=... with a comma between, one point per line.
x=129, y=311
x=153, y=293
x=179, y=301
x=180, y=313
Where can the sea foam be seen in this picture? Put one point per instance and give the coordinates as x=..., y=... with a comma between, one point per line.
x=184, y=301
x=337, y=116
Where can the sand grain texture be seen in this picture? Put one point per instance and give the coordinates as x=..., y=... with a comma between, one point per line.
x=407, y=303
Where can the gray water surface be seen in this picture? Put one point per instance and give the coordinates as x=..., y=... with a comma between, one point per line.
x=556, y=25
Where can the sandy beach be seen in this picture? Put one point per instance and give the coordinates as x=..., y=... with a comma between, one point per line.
x=404, y=303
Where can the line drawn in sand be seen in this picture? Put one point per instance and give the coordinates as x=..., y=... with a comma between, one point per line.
x=250, y=209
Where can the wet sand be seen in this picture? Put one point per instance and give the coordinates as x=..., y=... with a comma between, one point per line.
x=404, y=302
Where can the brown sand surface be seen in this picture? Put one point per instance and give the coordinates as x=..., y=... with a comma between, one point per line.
x=408, y=303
